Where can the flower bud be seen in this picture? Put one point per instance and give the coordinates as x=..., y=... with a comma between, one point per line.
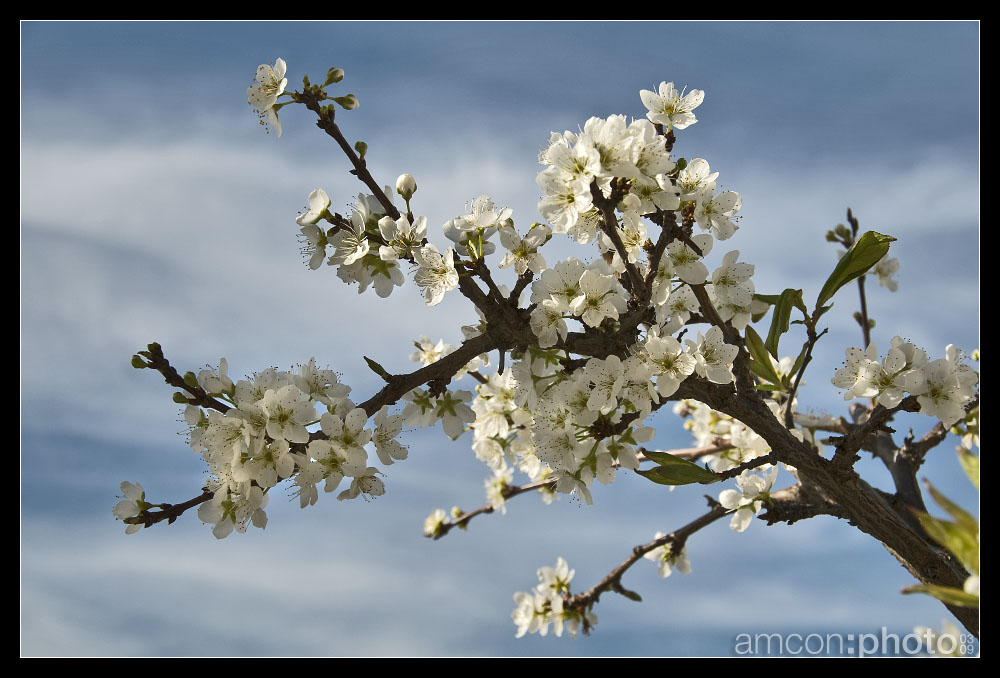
x=406, y=186
x=333, y=75
x=348, y=103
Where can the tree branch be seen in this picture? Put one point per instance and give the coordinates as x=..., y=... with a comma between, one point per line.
x=510, y=491
x=676, y=539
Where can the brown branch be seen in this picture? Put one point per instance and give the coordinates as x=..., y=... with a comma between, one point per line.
x=443, y=369
x=866, y=331
x=811, y=340
x=311, y=97
x=609, y=225
x=522, y=282
x=709, y=311
x=510, y=491
x=915, y=451
x=676, y=539
x=158, y=362
x=756, y=462
x=797, y=503
x=848, y=446
x=168, y=512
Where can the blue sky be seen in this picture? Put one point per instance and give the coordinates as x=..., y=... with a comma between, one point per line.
x=153, y=207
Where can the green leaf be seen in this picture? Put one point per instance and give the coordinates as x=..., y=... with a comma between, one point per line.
x=362, y=148
x=760, y=363
x=676, y=471
x=945, y=594
x=788, y=300
x=961, y=516
x=953, y=537
x=138, y=363
x=771, y=299
x=821, y=311
x=180, y=398
x=970, y=463
x=866, y=251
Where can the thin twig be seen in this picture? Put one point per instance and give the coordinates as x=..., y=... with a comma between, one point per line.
x=676, y=540
x=507, y=493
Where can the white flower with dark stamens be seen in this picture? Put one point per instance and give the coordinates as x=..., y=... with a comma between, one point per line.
x=695, y=179
x=368, y=485
x=687, y=263
x=668, y=360
x=598, y=299
x=944, y=387
x=560, y=283
x=216, y=382
x=670, y=107
x=386, y=429
x=288, y=410
x=314, y=242
x=617, y=145
x=271, y=463
x=402, y=237
x=351, y=242
x=436, y=273
x=320, y=385
x=523, y=252
x=607, y=377
x=749, y=500
x=580, y=161
x=548, y=324
x=852, y=376
x=886, y=380
x=565, y=199
x=714, y=356
x=715, y=213
x=263, y=93
x=731, y=281
x=347, y=434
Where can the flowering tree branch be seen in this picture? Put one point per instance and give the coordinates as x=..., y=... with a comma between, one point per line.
x=593, y=355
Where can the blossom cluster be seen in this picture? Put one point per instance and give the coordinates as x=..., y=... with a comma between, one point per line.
x=264, y=438
x=543, y=605
x=944, y=387
x=368, y=248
